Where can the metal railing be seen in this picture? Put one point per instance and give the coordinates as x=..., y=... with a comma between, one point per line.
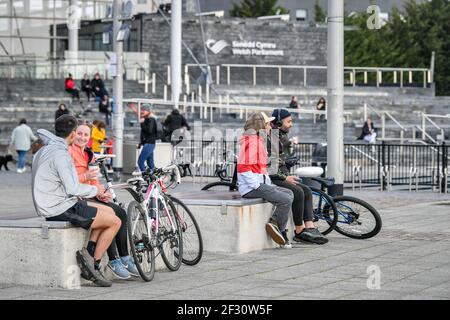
x=209, y=110
x=427, y=118
x=41, y=68
x=382, y=165
x=397, y=74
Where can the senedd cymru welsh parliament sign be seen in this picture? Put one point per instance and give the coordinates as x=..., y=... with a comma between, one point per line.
x=245, y=48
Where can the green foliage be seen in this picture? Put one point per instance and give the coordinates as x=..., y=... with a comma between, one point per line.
x=319, y=14
x=406, y=40
x=257, y=8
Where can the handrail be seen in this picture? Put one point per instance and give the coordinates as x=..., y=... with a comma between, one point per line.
x=428, y=117
x=352, y=71
x=365, y=154
x=320, y=67
x=426, y=134
x=396, y=122
x=223, y=106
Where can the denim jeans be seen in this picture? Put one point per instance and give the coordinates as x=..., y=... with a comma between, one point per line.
x=21, y=154
x=146, y=156
x=281, y=198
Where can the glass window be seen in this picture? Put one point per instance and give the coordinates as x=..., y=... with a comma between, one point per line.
x=36, y=5
x=301, y=14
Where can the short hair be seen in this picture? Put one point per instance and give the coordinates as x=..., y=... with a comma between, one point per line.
x=23, y=121
x=65, y=125
x=101, y=125
x=255, y=122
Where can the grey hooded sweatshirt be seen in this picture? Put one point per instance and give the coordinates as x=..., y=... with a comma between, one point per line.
x=55, y=185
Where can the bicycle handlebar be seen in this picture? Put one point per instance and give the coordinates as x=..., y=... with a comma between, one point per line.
x=176, y=170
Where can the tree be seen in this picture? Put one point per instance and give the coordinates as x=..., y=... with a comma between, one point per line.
x=319, y=14
x=257, y=8
x=406, y=40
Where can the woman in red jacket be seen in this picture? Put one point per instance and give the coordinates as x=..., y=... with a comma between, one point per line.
x=253, y=178
x=70, y=87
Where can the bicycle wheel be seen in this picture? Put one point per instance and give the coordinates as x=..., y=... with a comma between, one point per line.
x=192, y=237
x=221, y=185
x=140, y=241
x=170, y=237
x=325, y=212
x=357, y=218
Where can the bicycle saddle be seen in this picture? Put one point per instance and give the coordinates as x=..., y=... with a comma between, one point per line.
x=101, y=157
x=309, y=172
x=136, y=180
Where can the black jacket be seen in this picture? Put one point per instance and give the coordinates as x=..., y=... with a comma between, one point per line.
x=101, y=85
x=366, y=131
x=175, y=121
x=86, y=84
x=149, y=131
x=60, y=112
x=104, y=107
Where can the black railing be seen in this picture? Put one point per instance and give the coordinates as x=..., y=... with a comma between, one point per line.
x=379, y=164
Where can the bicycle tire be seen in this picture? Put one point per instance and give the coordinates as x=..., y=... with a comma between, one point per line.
x=137, y=251
x=197, y=250
x=323, y=213
x=339, y=200
x=222, y=184
x=178, y=242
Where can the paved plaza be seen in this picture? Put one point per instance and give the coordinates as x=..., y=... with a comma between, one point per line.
x=410, y=257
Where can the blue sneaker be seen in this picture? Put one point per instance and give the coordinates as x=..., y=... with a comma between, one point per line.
x=128, y=263
x=118, y=269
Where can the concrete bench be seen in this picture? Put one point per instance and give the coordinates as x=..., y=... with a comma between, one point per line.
x=230, y=223
x=42, y=253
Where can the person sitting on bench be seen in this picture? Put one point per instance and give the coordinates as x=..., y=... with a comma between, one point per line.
x=58, y=196
x=253, y=178
x=302, y=210
x=121, y=265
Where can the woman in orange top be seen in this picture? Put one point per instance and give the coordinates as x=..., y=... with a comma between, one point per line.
x=124, y=266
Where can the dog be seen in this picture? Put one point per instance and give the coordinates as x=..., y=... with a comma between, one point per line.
x=4, y=161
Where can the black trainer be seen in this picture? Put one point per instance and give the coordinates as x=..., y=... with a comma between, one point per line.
x=310, y=235
x=88, y=271
x=287, y=244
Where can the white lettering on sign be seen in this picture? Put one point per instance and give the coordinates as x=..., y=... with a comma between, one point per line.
x=246, y=48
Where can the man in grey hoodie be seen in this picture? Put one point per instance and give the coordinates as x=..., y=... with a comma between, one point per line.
x=58, y=196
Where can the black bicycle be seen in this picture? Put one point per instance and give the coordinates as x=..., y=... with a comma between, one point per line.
x=355, y=218
x=225, y=182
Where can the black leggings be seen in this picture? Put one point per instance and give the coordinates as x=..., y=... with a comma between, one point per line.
x=302, y=205
x=74, y=92
x=120, y=245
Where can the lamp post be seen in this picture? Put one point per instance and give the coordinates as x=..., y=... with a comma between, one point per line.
x=335, y=93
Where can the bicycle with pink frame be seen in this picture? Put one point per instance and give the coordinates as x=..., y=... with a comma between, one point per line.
x=154, y=220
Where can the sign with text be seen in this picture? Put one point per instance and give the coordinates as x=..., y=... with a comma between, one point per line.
x=245, y=48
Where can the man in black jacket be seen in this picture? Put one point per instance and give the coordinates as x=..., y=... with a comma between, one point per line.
x=302, y=210
x=148, y=138
x=174, y=121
